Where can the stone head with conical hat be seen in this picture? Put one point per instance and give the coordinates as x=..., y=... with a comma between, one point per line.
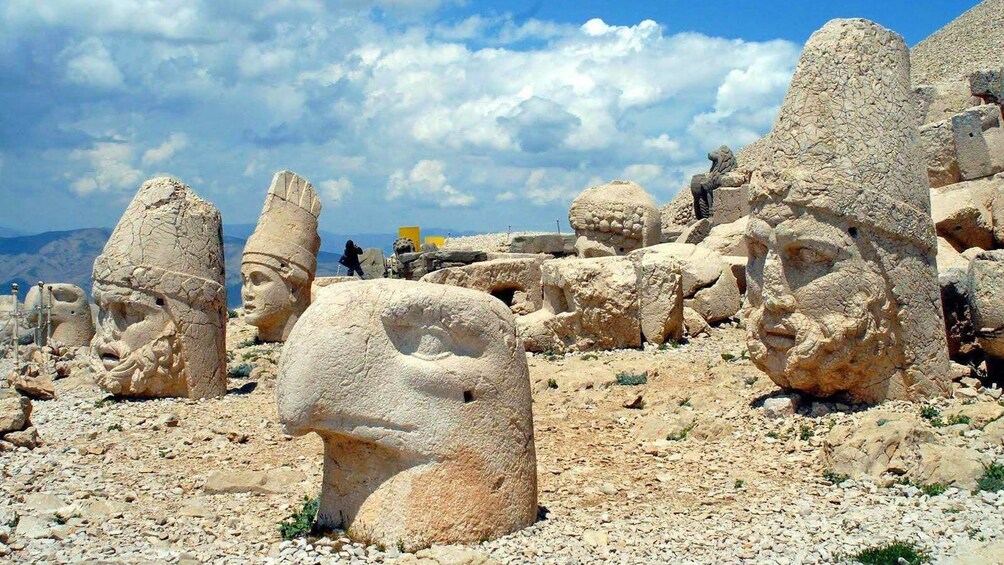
x=159, y=286
x=842, y=286
x=280, y=258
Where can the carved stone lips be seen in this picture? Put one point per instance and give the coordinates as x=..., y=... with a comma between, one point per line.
x=779, y=336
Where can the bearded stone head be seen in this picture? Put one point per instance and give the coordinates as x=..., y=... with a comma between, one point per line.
x=421, y=393
x=842, y=285
x=280, y=258
x=161, y=301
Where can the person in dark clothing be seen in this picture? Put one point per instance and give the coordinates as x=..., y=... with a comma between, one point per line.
x=350, y=258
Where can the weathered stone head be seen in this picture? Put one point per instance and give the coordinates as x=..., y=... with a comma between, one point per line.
x=422, y=395
x=162, y=302
x=614, y=219
x=842, y=285
x=280, y=258
x=70, y=314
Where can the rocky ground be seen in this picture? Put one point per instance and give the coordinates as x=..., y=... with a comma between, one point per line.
x=693, y=470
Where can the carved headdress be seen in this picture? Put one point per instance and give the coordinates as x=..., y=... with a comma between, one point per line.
x=285, y=238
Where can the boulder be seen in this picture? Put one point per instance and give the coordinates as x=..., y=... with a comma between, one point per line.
x=986, y=307
x=719, y=301
x=660, y=295
x=516, y=282
x=557, y=245
x=728, y=239
x=940, y=101
x=708, y=285
x=695, y=232
x=15, y=411
x=962, y=217
x=694, y=323
x=731, y=203
x=589, y=304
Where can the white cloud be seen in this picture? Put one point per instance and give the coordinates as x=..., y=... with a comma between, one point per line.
x=643, y=173
x=427, y=181
x=484, y=113
x=89, y=63
x=175, y=142
x=110, y=168
x=335, y=189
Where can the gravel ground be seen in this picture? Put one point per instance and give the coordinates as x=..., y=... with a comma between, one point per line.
x=131, y=481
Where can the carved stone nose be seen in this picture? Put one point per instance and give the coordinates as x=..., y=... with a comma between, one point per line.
x=777, y=296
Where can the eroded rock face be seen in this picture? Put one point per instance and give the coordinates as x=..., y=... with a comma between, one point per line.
x=421, y=393
x=842, y=285
x=159, y=286
x=70, y=315
x=614, y=219
x=516, y=282
x=280, y=257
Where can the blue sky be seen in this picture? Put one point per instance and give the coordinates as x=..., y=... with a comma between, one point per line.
x=467, y=115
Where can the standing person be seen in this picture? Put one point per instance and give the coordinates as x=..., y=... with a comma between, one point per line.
x=350, y=258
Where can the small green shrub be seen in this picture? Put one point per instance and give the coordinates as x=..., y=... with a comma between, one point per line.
x=992, y=479
x=551, y=383
x=739, y=483
x=728, y=357
x=115, y=428
x=892, y=554
x=882, y=422
x=750, y=381
x=669, y=344
x=932, y=415
x=300, y=523
x=934, y=489
x=241, y=371
x=685, y=402
x=772, y=434
x=805, y=432
x=682, y=434
x=629, y=379
x=835, y=478
x=958, y=419
x=248, y=343
x=231, y=313
x=590, y=357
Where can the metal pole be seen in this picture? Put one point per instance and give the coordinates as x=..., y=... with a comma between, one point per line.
x=558, y=223
x=39, y=330
x=17, y=364
x=48, y=317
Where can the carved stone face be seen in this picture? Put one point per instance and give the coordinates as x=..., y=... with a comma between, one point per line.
x=135, y=347
x=267, y=298
x=421, y=393
x=818, y=310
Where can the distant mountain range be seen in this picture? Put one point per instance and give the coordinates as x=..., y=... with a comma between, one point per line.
x=68, y=256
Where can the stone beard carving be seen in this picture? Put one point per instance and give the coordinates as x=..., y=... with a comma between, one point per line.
x=161, y=301
x=842, y=285
x=70, y=314
x=421, y=393
x=280, y=258
x=703, y=186
x=614, y=219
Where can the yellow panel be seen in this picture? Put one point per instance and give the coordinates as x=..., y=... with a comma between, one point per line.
x=438, y=240
x=414, y=233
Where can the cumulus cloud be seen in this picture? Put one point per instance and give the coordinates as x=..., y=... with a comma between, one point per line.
x=110, y=168
x=334, y=190
x=427, y=181
x=89, y=63
x=484, y=112
x=175, y=142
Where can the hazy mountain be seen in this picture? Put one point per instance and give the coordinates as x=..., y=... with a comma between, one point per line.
x=10, y=232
